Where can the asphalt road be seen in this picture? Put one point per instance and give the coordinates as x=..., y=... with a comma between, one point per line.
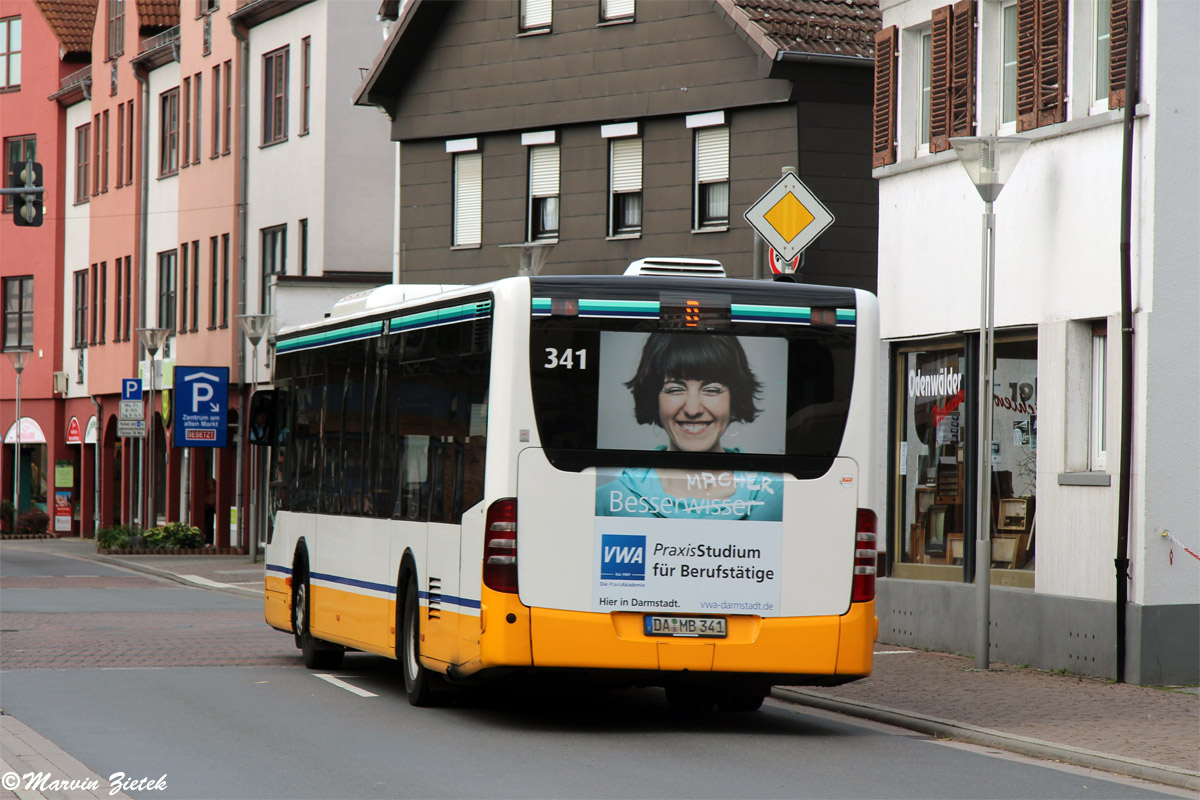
x=133, y=674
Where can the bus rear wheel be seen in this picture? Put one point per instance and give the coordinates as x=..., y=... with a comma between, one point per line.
x=317, y=654
x=423, y=687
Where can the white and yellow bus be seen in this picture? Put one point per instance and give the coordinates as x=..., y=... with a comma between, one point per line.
x=650, y=480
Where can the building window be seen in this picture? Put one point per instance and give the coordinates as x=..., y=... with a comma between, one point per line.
x=17, y=150
x=612, y=10
x=228, y=115
x=79, y=329
x=95, y=155
x=183, y=287
x=206, y=7
x=216, y=111
x=195, y=285
x=104, y=153
x=116, y=28
x=129, y=143
x=1098, y=419
x=128, y=295
x=121, y=145
x=543, y=192
x=275, y=80
x=102, y=308
x=185, y=126
x=935, y=445
x=712, y=177
x=83, y=135
x=303, y=234
x=95, y=301
x=535, y=15
x=168, y=155
x=117, y=297
x=197, y=125
x=166, y=289
x=624, y=183
x=10, y=52
x=274, y=262
x=923, y=126
x=305, y=82
x=224, y=280
x=18, y=313
x=468, y=199
x=1008, y=67
x=1041, y=63
x=1101, y=52
x=212, y=282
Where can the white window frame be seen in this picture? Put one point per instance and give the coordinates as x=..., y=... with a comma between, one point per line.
x=624, y=175
x=924, y=86
x=1007, y=51
x=1098, y=425
x=10, y=52
x=616, y=10
x=536, y=16
x=711, y=150
x=1101, y=39
x=544, y=174
x=467, y=214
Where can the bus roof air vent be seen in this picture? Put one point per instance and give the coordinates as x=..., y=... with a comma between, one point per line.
x=677, y=267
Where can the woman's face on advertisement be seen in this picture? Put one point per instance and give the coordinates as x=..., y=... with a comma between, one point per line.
x=694, y=414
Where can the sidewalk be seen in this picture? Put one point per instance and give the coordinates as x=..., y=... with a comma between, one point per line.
x=1143, y=732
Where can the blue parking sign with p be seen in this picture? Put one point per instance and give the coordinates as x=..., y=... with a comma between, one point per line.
x=201, y=406
x=131, y=388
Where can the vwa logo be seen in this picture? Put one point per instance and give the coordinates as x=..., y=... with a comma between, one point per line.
x=623, y=557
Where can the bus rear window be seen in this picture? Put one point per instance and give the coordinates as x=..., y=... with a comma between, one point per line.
x=639, y=389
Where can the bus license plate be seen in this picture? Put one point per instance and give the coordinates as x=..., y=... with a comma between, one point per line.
x=702, y=627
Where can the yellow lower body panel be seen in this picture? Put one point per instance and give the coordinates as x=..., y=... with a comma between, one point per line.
x=277, y=602
x=832, y=645
x=354, y=620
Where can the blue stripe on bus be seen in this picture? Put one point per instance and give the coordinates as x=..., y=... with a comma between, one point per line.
x=649, y=309
x=446, y=599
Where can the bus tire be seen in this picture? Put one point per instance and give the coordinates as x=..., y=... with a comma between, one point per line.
x=742, y=699
x=423, y=687
x=688, y=698
x=317, y=654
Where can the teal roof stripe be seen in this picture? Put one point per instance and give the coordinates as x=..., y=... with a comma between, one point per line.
x=330, y=337
x=846, y=315
x=749, y=313
x=441, y=316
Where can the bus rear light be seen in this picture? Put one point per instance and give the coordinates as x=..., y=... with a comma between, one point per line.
x=500, y=546
x=864, y=557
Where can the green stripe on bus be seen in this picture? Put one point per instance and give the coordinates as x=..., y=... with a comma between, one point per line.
x=618, y=306
x=331, y=337
x=846, y=315
x=795, y=313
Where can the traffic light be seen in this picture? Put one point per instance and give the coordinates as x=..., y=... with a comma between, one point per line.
x=27, y=208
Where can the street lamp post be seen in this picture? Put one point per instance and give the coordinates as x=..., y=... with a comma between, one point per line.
x=254, y=327
x=152, y=339
x=17, y=357
x=989, y=162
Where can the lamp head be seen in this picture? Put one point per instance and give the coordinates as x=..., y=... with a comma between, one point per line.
x=989, y=160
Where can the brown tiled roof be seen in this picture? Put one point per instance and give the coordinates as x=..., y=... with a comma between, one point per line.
x=821, y=27
x=158, y=13
x=72, y=22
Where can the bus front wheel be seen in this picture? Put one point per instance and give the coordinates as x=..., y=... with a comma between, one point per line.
x=317, y=654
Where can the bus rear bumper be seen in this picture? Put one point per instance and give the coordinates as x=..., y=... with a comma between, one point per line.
x=791, y=650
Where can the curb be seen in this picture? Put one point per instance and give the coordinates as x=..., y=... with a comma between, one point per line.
x=171, y=576
x=1026, y=746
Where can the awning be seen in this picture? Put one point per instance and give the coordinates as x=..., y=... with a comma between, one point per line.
x=31, y=432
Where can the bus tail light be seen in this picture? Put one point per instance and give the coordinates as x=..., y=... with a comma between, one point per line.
x=864, y=557
x=500, y=546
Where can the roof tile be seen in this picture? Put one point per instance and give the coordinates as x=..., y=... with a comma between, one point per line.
x=158, y=13
x=72, y=21
x=825, y=27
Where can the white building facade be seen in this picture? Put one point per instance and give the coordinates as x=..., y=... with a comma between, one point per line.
x=1052, y=72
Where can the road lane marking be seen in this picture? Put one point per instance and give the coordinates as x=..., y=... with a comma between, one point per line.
x=341, y=684
x=893, y=652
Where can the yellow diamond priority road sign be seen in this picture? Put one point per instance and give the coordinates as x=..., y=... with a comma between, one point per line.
x=789, y=217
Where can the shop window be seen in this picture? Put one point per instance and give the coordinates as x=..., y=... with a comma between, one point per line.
x=934, y=451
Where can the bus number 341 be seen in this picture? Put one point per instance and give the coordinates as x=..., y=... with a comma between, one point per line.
x=566, y=359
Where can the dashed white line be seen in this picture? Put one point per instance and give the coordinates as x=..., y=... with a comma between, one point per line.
x=341, y=684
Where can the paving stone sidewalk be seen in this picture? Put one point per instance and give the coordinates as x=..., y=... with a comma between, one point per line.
x=1147, y=732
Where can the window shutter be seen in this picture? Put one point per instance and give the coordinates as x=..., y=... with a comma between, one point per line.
x=962, y=71
x=1027, y=60
x=1118, y=47
x=712, y=154
x=468, y=198
x=939, y=79
x=536, y=14
x=618, y=9
x=1052, y=61
x=884, y=125
x=543, y=171
x=627, y=164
